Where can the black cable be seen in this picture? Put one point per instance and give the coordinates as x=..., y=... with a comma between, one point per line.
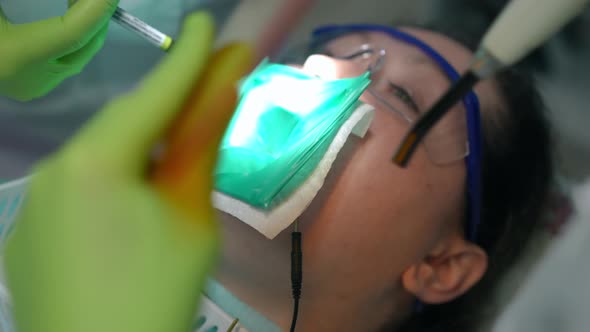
x=429, y=119
x=296, y=273
x=295, y=314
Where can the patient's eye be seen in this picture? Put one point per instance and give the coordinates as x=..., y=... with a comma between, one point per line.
x=402, y=94
x=359, y=55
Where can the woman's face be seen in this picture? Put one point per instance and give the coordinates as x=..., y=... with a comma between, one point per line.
x=373, y=219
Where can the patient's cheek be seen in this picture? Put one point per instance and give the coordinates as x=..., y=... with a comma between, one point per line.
x=387, y=128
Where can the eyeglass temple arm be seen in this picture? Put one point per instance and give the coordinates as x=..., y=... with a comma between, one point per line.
x=429, y=119
x=506, y=42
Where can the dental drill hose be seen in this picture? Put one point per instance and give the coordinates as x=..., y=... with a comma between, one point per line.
x=296, y=273
x=521, y=27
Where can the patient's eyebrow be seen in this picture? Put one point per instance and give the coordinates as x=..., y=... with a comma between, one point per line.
x=424, y=60
x=417, y=94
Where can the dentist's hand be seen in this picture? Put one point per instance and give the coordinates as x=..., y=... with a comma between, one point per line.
x=37, y=57
x=99, y=246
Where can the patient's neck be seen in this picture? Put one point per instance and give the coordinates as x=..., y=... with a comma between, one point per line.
x=257, y=271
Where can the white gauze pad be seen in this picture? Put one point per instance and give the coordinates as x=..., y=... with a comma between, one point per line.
x=271, y=222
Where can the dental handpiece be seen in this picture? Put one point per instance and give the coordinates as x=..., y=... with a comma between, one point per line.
x=521, y=27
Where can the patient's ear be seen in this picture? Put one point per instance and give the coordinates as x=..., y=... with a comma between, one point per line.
x=448, y=271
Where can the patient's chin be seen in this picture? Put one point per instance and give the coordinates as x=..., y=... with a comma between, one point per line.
x=237, y=231
x=231, y=225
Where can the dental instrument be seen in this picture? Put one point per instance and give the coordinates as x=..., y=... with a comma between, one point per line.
x=511, y=37
x=142, y=29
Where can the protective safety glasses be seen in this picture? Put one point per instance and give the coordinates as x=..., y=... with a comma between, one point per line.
x=455, y=137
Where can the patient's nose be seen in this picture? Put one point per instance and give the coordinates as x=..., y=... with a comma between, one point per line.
x=331, y=68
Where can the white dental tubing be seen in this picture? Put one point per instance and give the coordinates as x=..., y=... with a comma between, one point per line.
x=522, y=26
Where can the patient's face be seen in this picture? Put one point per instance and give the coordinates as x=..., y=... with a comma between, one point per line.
x=373, y=218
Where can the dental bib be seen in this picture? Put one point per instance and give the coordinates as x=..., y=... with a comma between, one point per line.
x=287, y=131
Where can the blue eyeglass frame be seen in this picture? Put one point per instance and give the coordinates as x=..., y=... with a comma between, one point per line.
x=471, y=102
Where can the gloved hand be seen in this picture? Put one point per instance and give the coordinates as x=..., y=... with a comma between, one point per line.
x=98, y=246
x=37, y=57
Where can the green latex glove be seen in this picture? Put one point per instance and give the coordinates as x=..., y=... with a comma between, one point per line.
x=97, y=247
x=37, y=57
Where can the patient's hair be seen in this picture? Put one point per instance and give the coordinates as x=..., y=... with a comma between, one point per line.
x=516, y=174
